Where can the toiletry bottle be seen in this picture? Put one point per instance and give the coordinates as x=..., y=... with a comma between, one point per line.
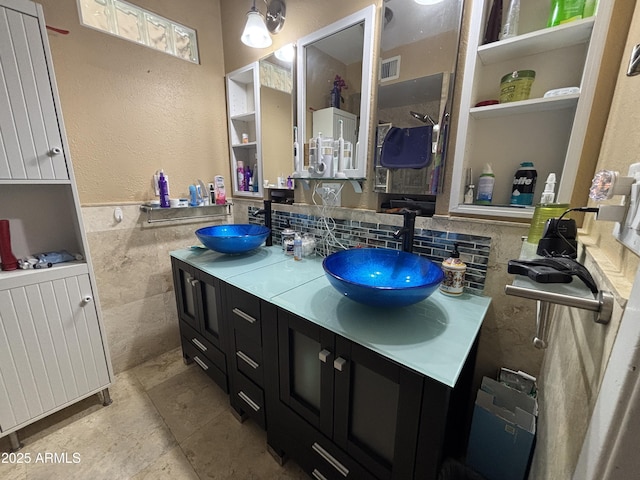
x=297, y=247
x=296, y=151
x=454, y=270
x=289, y=182
x=545, y=210
x=564, y=11
x=510, y=26
x=485, y=186
x=524, y=184
x=8, y=260
x=494, y=23
x=193, y=196
x=163, y=187
x=240, y=173
x=218, y=183
x=469, y=194
x=247, y=179
x=288, y=236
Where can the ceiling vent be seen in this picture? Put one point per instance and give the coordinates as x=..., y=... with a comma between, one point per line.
x=390, y=69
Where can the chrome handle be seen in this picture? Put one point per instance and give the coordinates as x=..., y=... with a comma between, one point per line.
x=194, y=282
x=198, y=344
x=324, y=355
x=248, y=401
x=55, y=151
x=203, y=365
x=248, y=360
x=317, y=475
x=344, y=471
x=339, y=363
x=244, y=316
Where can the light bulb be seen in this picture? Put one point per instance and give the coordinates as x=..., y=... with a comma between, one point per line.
x=255, y=32
x=286, y=53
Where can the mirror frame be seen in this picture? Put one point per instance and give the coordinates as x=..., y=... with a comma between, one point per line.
x=368, y=16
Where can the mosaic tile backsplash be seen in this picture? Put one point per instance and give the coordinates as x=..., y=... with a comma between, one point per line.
x=332, y=235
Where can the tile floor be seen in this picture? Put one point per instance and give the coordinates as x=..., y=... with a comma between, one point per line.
x=167, y=421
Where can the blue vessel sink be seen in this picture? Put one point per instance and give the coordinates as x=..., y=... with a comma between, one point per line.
x=382, y=277
x=234, y=238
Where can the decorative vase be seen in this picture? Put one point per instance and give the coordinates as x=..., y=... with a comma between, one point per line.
x=335, y=97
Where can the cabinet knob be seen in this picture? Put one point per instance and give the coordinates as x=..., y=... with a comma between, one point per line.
x=55, y=151
x=86, y=300
x=324, y=355
x=339, y=363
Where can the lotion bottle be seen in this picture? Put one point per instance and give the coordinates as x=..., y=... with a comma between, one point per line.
x=454, y=270
x=485, y=186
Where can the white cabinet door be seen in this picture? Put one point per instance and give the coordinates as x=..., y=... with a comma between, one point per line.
x=51, y=351
x=30, y=140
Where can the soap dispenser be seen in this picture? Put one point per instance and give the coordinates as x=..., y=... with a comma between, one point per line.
x=454, y=270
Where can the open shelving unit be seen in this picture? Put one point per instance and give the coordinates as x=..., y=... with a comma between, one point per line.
x=549, y=132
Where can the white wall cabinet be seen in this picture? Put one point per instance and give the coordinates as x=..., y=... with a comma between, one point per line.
x=52, y=342
x=549, y=132
x=51, y=351
x=243, y=111
x=31, y=139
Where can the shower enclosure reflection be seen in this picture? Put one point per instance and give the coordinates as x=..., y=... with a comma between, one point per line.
x=419, y=47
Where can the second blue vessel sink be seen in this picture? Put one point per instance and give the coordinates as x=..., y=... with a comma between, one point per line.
x=382, y=277
x=233, y=238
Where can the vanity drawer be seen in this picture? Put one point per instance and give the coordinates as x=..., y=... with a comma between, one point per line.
x=314, y=452
x=249, y=358
x=250, y=398
x=244, y=309
x=203, y=346
x=191, y=352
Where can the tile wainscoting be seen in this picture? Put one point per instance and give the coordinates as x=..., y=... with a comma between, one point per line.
x=436, y=245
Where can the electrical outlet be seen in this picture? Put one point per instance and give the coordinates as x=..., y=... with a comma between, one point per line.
x=628, y=231
x=330, y=194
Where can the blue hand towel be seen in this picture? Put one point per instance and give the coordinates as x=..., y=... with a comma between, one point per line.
x=407, y=147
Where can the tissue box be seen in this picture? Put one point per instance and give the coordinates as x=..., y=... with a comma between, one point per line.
x=503, y=432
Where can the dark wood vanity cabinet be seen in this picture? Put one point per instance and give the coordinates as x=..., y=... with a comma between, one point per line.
x=343, y=411
x=247, y=316
x=199, y=299
x=337, y=408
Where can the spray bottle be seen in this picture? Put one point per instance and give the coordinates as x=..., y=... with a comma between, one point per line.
x=545, y=210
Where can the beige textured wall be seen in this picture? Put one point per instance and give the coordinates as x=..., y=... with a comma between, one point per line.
x=577, y=357
x=130, y=110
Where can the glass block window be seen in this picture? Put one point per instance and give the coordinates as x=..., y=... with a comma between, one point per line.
x=138, y=25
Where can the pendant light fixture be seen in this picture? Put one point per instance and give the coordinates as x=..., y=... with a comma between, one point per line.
x=255, y=32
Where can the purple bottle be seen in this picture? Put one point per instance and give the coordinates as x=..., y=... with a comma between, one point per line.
x=247, y=178
x=163, y=188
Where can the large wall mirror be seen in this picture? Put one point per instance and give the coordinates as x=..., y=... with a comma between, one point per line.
x=277, y=107
x=334, y=86
x=418, y=52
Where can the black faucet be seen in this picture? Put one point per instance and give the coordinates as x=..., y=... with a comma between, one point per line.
x=266, y=211
x=407, y=230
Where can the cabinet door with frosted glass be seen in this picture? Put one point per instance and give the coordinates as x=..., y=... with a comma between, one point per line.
x=377, y=410
x=306, y=354
x=30, y=133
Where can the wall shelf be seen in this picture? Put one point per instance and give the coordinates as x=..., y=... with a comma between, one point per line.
x=159, y=214
x=540, y=41
x=526, y=106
